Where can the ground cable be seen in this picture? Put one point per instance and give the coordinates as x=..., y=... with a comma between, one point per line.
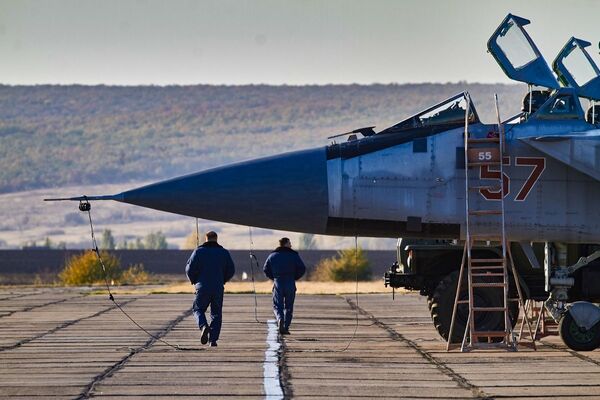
x=253, y=260
x=85, y=206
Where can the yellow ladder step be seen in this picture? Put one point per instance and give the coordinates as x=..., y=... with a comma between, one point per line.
x=480, y=267
x=486, y=260
x=485, y=212
x=480, y=163
x=488, y=285
x=489, y=333
x=483, y=309
x=491, y=188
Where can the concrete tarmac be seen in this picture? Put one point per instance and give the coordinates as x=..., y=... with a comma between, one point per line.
x=62, y=343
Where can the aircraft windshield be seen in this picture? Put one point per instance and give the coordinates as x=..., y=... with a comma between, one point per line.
x=515, y=45
x=448, y=113
x=579, y=66
x=562, y=105
x=517, y=54
x=576, y=69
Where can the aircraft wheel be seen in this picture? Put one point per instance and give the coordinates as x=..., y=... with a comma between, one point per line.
x=576, y=338
x=442, y=303
x=429, y=302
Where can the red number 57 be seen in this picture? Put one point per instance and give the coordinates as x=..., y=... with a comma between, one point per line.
x=538, y=164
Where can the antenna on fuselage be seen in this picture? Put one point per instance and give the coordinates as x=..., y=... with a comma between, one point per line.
x=366, y=131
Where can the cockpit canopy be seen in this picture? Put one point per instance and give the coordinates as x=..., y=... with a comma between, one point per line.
x=448, y=114
x=575, y=68
x=518, y=56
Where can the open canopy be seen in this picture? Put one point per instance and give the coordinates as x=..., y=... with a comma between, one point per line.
x=518, y=56
x=575, y=68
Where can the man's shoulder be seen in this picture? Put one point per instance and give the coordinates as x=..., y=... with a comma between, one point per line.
x=212, y=249
x=284, y=250
x=211, y=246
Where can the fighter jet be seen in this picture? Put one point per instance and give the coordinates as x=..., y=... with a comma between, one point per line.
x=408, y=180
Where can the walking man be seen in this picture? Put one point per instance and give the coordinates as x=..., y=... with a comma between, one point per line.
x=209, y=267
x=284, y=267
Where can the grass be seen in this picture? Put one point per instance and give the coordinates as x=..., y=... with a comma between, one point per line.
x=304, y=287
x=165, y=284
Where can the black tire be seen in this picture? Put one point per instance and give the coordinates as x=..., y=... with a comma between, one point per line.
x=429, y=302
x=442, y=303
x=576, y=338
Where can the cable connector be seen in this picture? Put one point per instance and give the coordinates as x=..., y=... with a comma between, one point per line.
x=85, y=206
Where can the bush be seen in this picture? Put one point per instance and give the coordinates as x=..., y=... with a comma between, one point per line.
x=345, y=266
x=85, y=269
x=134, y=275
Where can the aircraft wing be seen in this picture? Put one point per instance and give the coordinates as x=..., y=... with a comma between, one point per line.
x=580, y=151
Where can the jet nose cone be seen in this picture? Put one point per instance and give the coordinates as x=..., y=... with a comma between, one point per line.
x=287, y=192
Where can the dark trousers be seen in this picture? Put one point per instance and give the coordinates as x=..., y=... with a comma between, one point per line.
x=214, y=298
x=283, y=303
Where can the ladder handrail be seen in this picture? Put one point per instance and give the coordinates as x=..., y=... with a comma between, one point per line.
x=466, y=138
x=502, y=194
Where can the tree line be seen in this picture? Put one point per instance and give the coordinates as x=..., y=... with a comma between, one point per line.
x=67, y=135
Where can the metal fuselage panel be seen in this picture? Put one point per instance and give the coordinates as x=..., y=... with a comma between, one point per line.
x=546, y=199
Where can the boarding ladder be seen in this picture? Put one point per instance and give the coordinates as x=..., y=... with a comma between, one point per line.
x=485, y=222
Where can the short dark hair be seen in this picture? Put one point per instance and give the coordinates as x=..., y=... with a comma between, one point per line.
x=283, y=241
x=211, y=235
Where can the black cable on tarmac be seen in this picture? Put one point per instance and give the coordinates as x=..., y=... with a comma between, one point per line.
x=85, y=206
x=355, y=292
x=254, y=260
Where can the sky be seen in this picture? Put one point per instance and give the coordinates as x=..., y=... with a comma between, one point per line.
x=123, y=42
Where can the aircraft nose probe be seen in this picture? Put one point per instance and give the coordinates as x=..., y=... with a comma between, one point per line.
x=85, y=198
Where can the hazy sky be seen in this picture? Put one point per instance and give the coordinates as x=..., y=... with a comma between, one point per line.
x=276, y=42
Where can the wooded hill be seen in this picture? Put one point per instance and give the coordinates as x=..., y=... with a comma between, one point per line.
x=61, y=135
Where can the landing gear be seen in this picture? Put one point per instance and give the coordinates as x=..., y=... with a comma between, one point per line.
x=441, y=303
x=579, y=324
x=576, y=337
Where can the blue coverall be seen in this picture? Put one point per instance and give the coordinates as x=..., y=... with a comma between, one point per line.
x=208, y=268
x=284, y=266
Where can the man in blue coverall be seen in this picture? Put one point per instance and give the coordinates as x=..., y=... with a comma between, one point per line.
x=284, y=267
x=209, y=267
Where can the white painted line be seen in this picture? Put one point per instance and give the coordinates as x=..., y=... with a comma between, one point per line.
x=271, y=365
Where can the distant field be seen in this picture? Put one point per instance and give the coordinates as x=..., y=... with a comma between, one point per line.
x=27, y=218
x=98, y=139
x=74, y=135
